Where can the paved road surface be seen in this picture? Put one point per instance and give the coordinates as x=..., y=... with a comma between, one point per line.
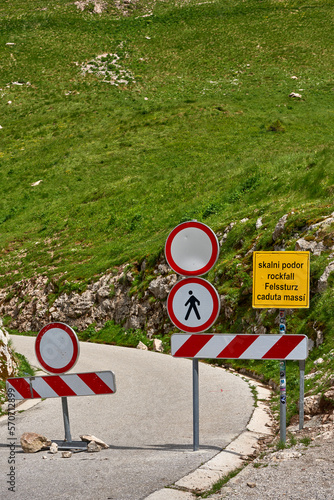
x=147, y=423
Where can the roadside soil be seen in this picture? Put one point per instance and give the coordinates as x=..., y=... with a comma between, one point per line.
x=304, y=470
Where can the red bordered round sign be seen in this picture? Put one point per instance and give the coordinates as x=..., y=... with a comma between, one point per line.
x=193, y=305
x=57, y=348
x=192, y=249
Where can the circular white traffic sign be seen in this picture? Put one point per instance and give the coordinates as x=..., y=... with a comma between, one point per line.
x=57, y=348
x=193, y=305
x=192, y=249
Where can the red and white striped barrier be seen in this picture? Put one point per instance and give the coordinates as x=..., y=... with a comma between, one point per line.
x=54, y=386
x=240, y=346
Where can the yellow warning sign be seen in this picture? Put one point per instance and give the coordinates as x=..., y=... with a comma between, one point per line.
x=281, y=280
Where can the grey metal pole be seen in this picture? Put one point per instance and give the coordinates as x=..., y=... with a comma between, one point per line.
x=282, y=368
x=195, y=405
x=301, y=393
x=282, y=375
x=66, y=420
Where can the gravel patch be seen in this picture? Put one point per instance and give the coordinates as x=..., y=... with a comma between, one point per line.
x=296, y=473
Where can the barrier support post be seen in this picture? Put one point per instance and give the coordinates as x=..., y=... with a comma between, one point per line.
x=282, y=374
x=195, y=405
x=66, y=418
x=301, y=393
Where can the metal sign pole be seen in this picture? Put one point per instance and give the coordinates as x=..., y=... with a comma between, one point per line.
x=68, y=437
x=282, y=374
x=301, y=393
x=195, y=405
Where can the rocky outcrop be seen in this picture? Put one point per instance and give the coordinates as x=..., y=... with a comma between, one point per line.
x=279, y=229
x=309, y=246
x=322, y=283
x=134, y=296
x=109, y=298
x=7, y=363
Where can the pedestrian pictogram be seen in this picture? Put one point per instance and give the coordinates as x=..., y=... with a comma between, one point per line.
x=192, y=301
x=192, y=249
x=193, y=305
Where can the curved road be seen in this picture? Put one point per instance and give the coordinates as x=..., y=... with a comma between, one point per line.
x=147, y=423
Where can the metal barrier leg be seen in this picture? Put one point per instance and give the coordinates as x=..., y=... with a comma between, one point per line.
x=301, y=393
x=66, y=419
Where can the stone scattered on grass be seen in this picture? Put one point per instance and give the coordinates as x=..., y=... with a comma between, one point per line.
x=97, y=6
x=106, y=66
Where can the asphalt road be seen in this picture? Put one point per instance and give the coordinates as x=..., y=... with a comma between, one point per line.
x=147, y=424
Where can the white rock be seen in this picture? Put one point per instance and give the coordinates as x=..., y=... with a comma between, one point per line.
x=142, y=346
x=294, y=94
x=280, y=227
x=157, y=345
x=90, y=438
x=93, y=447
x=36, y=183
x=303, y=245
x=318, y=361
x=258, y=223
x=323, y=280
x=312, y=405
x=53, y=448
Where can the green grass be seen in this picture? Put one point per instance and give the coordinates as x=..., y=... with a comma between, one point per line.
x=207, y=130
x=204, y=129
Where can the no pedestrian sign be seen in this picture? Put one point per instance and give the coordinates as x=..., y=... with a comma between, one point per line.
x=193, y=305
x=281, y=280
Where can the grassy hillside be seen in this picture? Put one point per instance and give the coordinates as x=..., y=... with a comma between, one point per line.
x=196, y=122
x=117, y=126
